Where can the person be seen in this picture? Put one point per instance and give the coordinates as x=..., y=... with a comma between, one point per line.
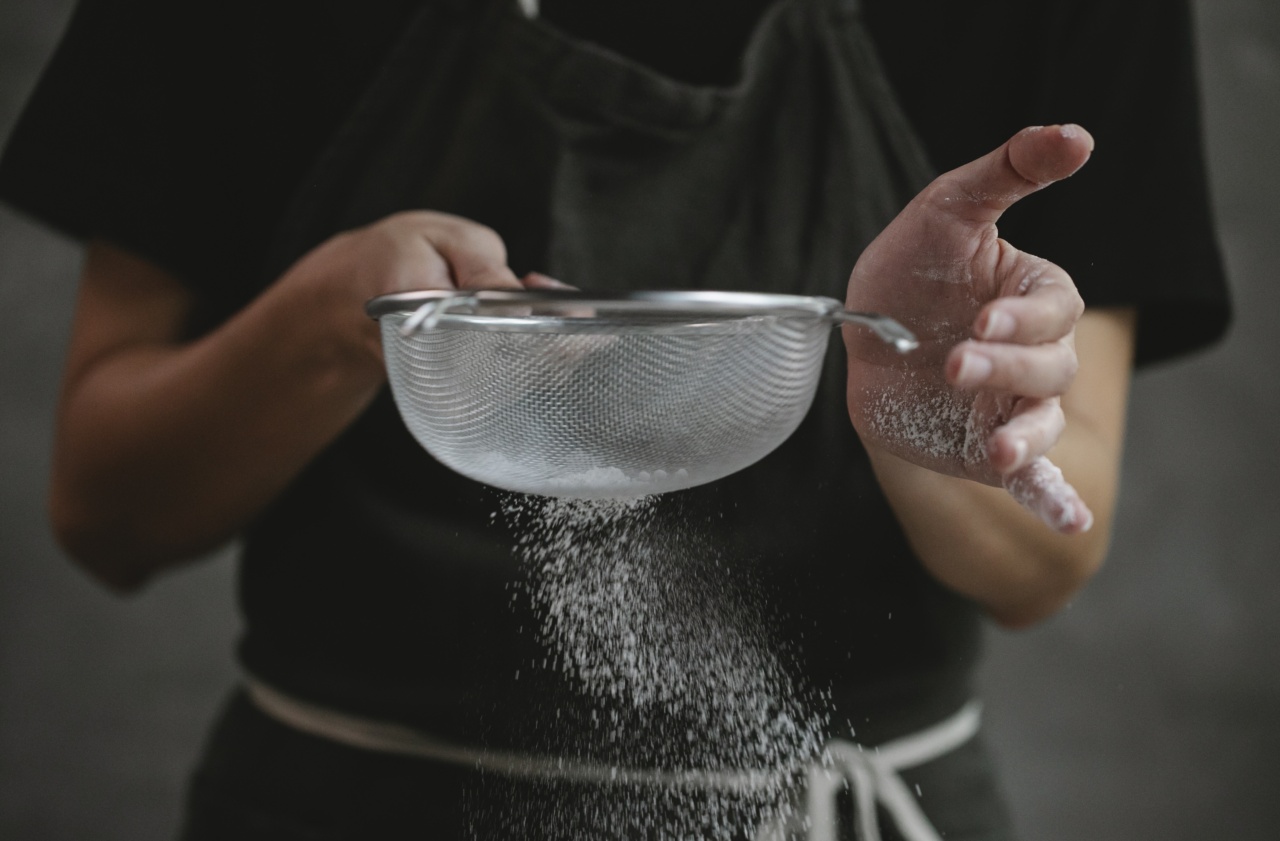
x=246, y=177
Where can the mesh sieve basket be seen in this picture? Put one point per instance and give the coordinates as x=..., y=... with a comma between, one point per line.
x=580, y=395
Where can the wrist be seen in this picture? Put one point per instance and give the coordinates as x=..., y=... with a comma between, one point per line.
x=325, y=317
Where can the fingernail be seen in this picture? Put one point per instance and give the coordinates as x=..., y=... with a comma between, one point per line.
x=1019, y=453
x=545, y=281
x=997, y=325
x=974, y=369
x=1071, y=130
x=1088, y=521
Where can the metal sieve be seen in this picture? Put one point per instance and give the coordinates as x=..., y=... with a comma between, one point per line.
x=584, y=395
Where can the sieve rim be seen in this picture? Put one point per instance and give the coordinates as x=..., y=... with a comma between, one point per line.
x=601, y=325
x=693, y=302
x=428, y=308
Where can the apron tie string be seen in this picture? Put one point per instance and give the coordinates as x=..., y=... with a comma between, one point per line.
x=872, y=776
x=870, y=773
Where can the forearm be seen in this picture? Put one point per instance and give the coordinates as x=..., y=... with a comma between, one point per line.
x=977, y=540
x=165, y=449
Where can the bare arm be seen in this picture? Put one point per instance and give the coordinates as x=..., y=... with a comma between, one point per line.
x=166, y=448
x=976, y=539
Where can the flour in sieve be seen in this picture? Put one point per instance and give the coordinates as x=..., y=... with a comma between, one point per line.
x=615, y=479
x=534, y=473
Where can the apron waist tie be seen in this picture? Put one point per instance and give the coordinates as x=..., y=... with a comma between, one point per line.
x=872, y=776
x=871, y=773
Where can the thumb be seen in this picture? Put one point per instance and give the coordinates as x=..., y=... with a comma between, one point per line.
x=1032, y=159
x=1041, y=489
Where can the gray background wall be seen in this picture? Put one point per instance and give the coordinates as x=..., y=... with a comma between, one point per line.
x=1148, y=709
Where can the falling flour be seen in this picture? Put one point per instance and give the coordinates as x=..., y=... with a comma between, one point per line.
x=672, y=648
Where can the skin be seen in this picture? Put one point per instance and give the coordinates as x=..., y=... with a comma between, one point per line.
x=165, y=447
x=996, y=383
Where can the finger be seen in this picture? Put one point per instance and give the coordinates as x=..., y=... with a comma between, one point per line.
x=476, y=254
x=1041, y=303
x=1035, y=157
x=425, y=268
x=537, y=280
x=1034, y=427
x=1041, y=488
x=1044, y=370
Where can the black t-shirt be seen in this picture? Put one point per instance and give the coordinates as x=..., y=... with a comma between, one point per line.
x=183, y=132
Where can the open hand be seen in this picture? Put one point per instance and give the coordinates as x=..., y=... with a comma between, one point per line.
x=979, y=398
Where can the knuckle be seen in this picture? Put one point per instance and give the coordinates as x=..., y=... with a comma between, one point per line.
x=1023, y=368
x=403, y=219
x=482, y=238
x=1058, y=416
x=1070, y=359
x=1074, y=304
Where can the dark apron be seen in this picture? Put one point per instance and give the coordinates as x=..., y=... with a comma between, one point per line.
x=602, y=173
x=608, y=176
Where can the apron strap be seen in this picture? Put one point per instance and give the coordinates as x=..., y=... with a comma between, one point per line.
x=872, y=776
x=861, y=60
x=392, y=738
x=871, y=773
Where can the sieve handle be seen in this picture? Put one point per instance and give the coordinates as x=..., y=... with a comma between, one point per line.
x=429, y=314
x=902, y=339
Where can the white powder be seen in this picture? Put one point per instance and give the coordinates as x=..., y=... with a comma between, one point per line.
x=936, y=422
x=648, y=622
x=944, y=430
x=606, y=482
x=534, y=473
x=1041, y=488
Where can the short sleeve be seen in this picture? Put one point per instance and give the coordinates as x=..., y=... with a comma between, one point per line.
x=1134, y=227
x=91, y=154
x=182, y=131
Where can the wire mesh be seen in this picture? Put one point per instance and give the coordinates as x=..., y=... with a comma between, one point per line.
x=612, y=408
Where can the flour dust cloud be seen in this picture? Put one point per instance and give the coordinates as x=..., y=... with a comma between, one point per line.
x=671, y=649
